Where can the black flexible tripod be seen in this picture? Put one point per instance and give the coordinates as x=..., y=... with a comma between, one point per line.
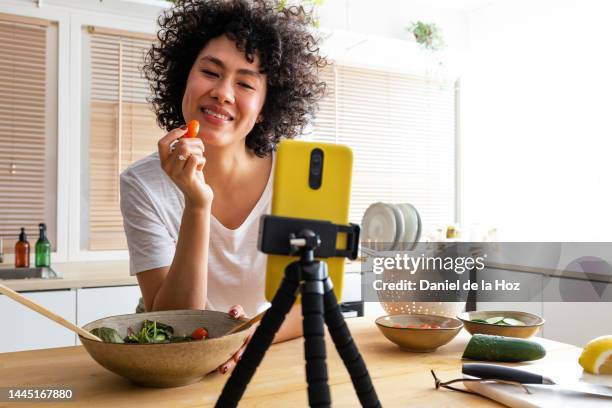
x=319, y=304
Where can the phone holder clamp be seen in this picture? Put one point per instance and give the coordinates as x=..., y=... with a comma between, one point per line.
x=274, y=230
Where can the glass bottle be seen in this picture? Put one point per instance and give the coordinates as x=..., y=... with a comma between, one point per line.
x=22, y=251
x=42, y=248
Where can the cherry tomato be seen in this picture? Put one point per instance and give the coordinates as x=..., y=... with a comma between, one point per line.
x=435, y=326
x=425, y=326
x=199, y=334
x=193, y=127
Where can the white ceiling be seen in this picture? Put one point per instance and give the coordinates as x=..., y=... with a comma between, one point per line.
x=456, y=5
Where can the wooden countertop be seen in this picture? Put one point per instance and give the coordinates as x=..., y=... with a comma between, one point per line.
x=93, y=274
x=401, y=378
x=79, y=275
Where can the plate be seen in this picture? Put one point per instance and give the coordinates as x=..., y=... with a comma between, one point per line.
x=412, y=225
x=379, y=226
x=399, y=225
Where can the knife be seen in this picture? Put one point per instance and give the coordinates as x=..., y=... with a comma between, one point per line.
x=498, y=372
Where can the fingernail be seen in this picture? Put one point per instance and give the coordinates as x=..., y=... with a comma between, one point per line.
x=184, y=127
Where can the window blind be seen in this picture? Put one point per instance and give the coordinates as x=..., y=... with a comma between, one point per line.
x=122, y=130
x=401, y=129
x=24, y=154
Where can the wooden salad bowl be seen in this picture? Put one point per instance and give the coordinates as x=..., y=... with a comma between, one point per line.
x=167, y=364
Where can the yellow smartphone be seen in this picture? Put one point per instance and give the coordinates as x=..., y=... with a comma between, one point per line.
x=312, y=180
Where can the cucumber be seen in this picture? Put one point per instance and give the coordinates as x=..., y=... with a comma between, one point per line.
x=513, y=322
x=505, y=349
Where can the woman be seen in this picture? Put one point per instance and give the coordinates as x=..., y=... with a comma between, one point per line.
x=248, y=73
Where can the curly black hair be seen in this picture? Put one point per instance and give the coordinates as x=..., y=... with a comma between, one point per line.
x=280, y=36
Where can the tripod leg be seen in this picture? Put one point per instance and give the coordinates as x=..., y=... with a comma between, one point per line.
x=314, y=340
x=262, y=338
x=348, y=350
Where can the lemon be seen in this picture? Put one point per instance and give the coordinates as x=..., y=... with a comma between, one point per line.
x=596, y=358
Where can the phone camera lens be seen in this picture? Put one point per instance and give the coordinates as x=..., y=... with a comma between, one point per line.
x=316, y=165
x=316, y=168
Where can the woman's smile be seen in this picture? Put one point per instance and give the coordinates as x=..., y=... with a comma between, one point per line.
x=215, y=116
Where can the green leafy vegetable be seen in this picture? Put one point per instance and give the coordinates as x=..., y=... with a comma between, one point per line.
x=107, y=335
x=150, y=332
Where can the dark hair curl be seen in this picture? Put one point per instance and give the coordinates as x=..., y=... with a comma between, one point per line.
x=281, y=38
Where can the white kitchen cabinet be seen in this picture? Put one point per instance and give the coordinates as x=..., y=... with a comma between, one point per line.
x=351, y=289
x=575, y=322
x=96, y=303
x=24, y=329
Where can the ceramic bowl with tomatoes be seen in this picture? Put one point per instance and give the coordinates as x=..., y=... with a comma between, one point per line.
x=418, y=332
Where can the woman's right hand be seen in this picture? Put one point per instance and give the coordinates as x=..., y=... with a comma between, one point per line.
x=184, y=165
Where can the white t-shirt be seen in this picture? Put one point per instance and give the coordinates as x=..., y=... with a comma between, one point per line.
x=152, y=207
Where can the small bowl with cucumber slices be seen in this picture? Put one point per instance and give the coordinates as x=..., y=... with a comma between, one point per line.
x=501, y=323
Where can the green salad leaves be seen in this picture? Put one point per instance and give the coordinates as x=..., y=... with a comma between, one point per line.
x=150, y=332
x=107, y=335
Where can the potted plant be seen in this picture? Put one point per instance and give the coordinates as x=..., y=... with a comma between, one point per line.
x=428, y=35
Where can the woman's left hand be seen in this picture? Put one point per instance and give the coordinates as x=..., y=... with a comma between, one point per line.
x=236, y=312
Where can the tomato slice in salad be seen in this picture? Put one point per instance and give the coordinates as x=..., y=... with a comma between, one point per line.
x=199, y=334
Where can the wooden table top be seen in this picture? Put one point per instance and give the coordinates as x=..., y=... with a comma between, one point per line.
x=401, y=378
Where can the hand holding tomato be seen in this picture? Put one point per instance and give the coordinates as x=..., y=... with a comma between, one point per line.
x=181, y=154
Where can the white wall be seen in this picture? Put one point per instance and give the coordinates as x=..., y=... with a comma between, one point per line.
x=390, y=18
x=536, y=131
x=385, y=41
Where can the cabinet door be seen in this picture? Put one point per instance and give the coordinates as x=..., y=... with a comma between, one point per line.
x=96, y=303
x=24, y=329
x=576, y=322
x=351, y=291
